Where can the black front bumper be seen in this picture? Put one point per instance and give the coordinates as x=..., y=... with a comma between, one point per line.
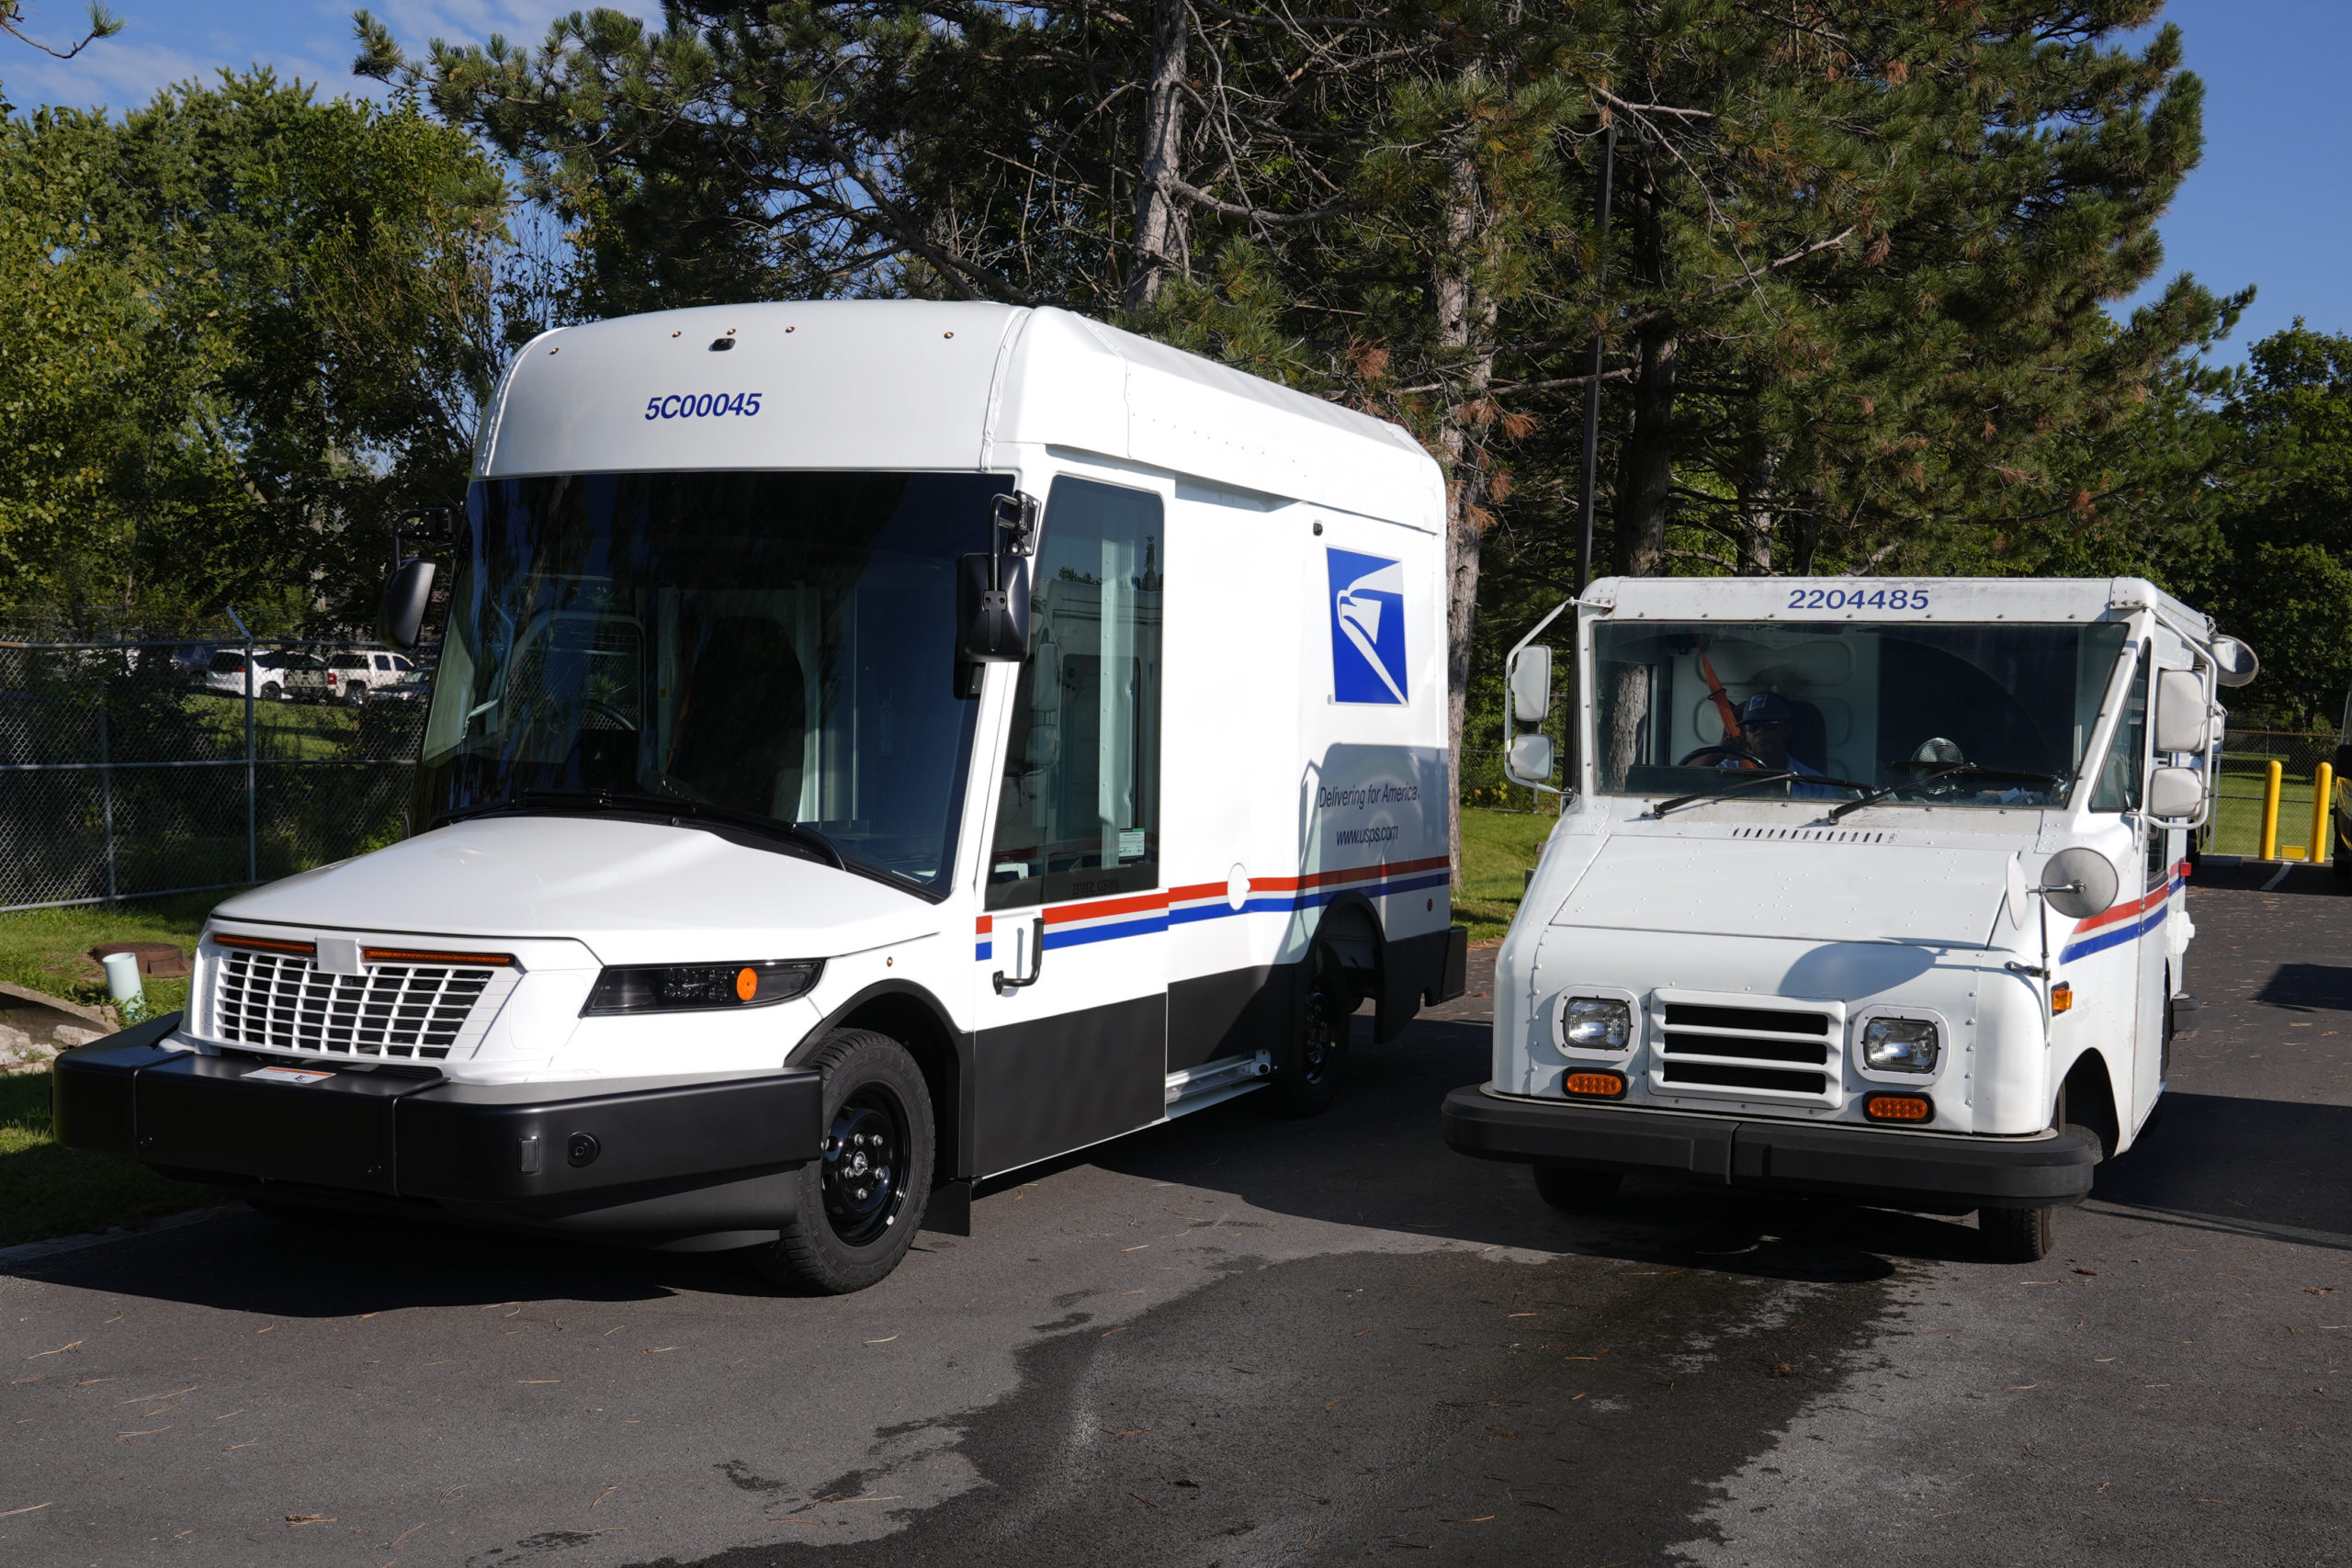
x=1874, y=1165
x=669, y=1161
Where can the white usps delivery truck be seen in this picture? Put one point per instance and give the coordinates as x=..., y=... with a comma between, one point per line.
x=1862, y=889
x=874, y=746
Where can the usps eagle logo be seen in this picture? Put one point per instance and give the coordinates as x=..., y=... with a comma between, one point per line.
x=1367, y=628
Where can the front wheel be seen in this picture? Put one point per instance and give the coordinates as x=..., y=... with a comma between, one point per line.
x=856, y=1207
x=355, y=693
x=272, y=691
x=2018, y=1235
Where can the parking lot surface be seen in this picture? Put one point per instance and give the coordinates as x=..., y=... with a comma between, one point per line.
x=1239, y=1340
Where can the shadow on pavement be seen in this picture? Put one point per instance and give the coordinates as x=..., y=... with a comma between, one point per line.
x=248, y=1263
x=2306, y=988
x=2260, y=1162
x=1377, y=1161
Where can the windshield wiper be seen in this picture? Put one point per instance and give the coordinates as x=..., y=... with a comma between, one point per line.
x=1752, y=781
x=1969, y=769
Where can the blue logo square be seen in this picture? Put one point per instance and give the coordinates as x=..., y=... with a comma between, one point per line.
x=1367, y=628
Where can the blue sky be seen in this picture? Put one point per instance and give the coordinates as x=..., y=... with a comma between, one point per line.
x=2270, y=206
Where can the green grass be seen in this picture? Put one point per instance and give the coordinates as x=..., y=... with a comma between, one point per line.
x=1497, y=848
x=49, y=949
x=2237, y=812
x=46, y=1190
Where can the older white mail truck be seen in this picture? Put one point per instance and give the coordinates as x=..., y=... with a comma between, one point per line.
x=1863, y=888
x=874, y=746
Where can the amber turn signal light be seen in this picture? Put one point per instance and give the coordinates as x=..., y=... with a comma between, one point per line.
x=1898, y=1107
x=1596, y=1086
x=373, y=955
x=2061, y=997
x=264, y=944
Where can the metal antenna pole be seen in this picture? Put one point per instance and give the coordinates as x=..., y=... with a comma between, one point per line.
x=1592, y=366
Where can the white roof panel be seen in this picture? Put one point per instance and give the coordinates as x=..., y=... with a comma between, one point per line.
x=918, y=384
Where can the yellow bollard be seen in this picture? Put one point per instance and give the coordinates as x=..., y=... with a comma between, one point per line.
x=2270, y=773
x=2322, y=813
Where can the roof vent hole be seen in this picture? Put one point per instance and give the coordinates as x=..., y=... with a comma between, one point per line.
x=721, y=344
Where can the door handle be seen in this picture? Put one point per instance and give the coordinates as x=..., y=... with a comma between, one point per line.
x=1004, y=983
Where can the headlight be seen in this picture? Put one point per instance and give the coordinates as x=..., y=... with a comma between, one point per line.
x=1598, y=1023
x=1901, y=1046
x=700, y=988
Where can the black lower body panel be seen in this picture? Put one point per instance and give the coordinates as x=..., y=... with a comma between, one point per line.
x=653, y=1159
x=1865, y=1163
x=1059, y=1083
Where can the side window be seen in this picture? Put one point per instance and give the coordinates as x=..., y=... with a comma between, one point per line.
x=1078, y=815
x=2118, y=776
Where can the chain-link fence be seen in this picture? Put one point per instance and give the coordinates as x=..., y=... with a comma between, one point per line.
x=130, y=769
x=2247, y=755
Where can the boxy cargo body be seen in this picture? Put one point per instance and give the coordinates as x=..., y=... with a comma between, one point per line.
x=712, y=798
x=1865, y=889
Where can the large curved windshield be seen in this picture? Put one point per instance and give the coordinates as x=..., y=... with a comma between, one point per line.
x=1986, y=715
x=773, y=648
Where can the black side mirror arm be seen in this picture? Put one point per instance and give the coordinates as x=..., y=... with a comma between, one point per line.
x=400, y=615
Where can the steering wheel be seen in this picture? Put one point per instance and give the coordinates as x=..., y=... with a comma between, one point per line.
x=1748, y=756
x=618, y=720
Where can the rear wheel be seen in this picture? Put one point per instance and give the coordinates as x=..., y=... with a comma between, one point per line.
x=1308, y=1083
x=271, y=692
x=857, y=1206
x=2018, y=1235
x=356, y=692
x=1576, y=1191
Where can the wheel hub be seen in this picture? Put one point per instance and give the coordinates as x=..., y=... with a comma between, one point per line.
x=863, y=1176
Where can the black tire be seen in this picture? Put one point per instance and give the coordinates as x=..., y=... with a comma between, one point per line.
x=857, y=1208
x=271, y=692
x=1308, y=1082
x=354, y=692
x=2018, y=1235
x=1575, y=1190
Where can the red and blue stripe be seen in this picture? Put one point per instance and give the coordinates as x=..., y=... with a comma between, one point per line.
x=2127, y=921
x=1142, y=914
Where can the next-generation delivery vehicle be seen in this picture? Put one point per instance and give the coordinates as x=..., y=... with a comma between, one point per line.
x=1865, y=889
x=874, y=746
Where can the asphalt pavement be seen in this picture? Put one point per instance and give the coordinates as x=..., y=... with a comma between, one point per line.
x=1241, y=1340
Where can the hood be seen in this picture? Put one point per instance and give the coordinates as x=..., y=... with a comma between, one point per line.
x=635, y=892
x=1808, y=890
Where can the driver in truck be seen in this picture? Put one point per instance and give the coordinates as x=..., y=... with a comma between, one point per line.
x=1765, y=722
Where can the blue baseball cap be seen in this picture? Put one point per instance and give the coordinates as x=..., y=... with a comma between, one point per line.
x=1765, y=707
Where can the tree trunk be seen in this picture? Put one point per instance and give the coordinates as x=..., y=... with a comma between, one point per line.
x=1757, y=510
x=1159, y=222
x=1646, y=487
x=1465, y=336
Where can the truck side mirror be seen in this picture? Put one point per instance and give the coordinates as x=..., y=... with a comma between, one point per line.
x=2233, y=662
x=991, y=609
x=1530, y=760
x=2175, y=795
x=2184, y=716
x=400, y=615
x=1531, y=684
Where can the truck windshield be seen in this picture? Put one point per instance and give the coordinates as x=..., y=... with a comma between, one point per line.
x=776, y=646
x=1981, y=716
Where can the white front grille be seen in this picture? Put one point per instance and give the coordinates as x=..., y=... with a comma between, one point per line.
x=281, y=1002
x=1747, y=1047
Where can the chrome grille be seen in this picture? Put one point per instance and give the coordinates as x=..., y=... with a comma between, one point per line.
x=1737, y=1047
x=281, y=1002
